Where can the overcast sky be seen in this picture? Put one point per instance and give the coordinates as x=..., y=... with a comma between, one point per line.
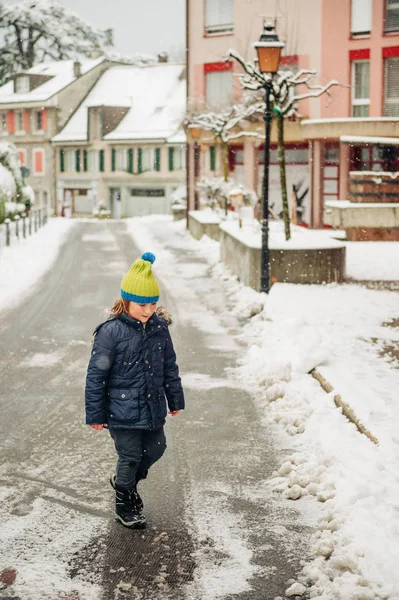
x=139, y=25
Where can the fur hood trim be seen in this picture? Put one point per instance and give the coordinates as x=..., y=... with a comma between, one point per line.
x=162, y=312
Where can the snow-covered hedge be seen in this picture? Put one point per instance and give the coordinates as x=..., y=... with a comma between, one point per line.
x=179, y=196
x=14, y=195
x=216, y=192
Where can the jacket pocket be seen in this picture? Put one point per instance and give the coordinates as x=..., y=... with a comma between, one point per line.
x=124, y=405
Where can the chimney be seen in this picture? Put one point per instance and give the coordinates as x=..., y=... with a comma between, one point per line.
x=163, y=57
x=77, y=69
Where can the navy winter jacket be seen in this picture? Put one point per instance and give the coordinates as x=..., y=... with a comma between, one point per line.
x=131, y=369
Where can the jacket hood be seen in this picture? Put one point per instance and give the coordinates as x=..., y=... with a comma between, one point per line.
x=162, y=312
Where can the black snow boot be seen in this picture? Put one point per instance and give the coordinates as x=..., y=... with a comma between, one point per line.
x=137, y=497
x=126, y=509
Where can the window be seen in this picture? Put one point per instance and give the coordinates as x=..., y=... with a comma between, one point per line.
x=70, y=161
x=148, y=159
x=38, y=120
x=374, y=158
x=360, y=88
x=22, y=84
x=180, y=158
x=19, y=121
x=219, y=88
x=391, y=87
x=38, y=162
x=3, y=122
x=93, y=161
x=121, y=160
x=391, y=22
x=361, y=17
x=219, y=16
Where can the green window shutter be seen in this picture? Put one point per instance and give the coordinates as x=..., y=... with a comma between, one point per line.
x=77, y=160
x=101, y=161
x=212, y=158
x=62, y=160
x=113, y=163
x=171, y=159
x=157, y=165
x=140, y=160
x=130, y=160
x=84, y=160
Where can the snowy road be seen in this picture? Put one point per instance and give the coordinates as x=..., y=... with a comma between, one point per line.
x=214, y=529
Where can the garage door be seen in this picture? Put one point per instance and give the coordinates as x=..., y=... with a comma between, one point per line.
x=148, y=201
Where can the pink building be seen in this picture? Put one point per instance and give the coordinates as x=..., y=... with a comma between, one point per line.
x=358, y=130
x=353, y=41
x=213, y=28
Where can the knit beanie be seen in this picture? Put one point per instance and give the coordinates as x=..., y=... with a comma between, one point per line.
x=139, y=284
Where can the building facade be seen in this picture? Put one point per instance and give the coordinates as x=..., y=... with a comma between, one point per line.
x=34, y=106
x=123, y=149
x=213, y=28
x=359, y=129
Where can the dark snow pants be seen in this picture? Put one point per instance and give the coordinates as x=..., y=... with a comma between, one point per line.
x=138, y=450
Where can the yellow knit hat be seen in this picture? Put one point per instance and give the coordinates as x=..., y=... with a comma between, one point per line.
x=139, y=284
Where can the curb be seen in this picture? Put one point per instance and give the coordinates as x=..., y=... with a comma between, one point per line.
x=346, y=409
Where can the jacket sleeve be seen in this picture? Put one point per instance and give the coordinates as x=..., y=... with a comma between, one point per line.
x=101, y=360
x=172, y=382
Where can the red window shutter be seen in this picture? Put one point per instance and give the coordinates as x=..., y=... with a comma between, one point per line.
x=21, y=156
x=38, y=161
x=44, y=119
x=10, y=121
x=26, y=120
x=391, y=52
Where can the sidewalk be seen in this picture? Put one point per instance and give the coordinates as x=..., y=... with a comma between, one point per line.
x=346, y=331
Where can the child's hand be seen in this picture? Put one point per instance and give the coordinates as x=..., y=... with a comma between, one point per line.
x=173, y=413
x=99, y=427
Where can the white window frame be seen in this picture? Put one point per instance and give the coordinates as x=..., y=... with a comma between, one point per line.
x=19, y=115
x=93, y=161
x=395, y=100
x=121, y=159
x=70, y=164
x=148, y=159
x=359, y=101
x=219, y=16
x=34, y=151
x=361, y=17
x=390, y=7
x=22, y=84
x=180, y=158
x=218, y=98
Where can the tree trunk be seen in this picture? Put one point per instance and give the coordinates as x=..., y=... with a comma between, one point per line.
x=283, y=178
x=225, y=158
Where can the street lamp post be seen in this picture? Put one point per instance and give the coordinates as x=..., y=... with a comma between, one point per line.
x=269, y=51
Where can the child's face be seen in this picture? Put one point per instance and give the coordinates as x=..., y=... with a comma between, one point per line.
x=142, y=312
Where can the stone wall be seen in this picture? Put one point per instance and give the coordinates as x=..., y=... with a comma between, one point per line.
x=317, y=266
x=199, y=224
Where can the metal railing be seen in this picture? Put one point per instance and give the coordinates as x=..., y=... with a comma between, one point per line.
x=22, y=226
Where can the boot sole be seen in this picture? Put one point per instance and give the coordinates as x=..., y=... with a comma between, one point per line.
x=135, y=525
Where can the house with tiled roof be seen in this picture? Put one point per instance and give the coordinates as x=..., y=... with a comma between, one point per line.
x=35, y=105
x=124, y=147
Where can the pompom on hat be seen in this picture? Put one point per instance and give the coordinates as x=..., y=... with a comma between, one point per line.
x=139, y=284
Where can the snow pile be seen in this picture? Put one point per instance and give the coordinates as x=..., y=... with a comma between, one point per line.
x=8, y=188
x=25, y=262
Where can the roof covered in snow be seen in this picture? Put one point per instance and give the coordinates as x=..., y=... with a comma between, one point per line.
x=154, y=94
x=61, y=73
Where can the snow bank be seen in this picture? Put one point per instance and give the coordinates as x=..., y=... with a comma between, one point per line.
x=25, y=262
